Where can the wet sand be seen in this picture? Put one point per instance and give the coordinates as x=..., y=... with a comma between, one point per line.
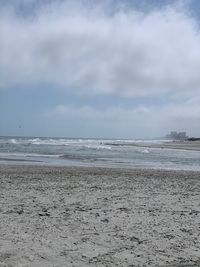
x=51, y=216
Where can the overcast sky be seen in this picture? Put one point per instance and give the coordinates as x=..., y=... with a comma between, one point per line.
x=108, y=69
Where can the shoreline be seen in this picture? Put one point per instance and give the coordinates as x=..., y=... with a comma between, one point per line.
x=88, y=168
x=39, y=164
x=181, y=145
x=79, y=216
x=158, y=156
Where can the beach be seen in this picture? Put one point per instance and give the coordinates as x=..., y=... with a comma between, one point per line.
x=75, y=216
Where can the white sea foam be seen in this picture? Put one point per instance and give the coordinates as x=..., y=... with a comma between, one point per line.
x=36, y=141
x=101, y=143
x=13, y=141
x=98, y=147
x=145, y=151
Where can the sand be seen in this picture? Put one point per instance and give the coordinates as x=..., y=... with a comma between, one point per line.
x=98, y=217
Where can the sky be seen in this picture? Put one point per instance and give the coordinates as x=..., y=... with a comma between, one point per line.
x=99, y=69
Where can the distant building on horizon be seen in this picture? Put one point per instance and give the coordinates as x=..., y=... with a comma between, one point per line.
x=177, y=135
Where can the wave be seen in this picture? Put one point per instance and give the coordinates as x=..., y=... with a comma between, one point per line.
x=97, y=147
x=36, y=141
x=145, y=151
x=85, y=143
x=81, y=158
x=28, y=155
x=91, y=143
x=13, y=141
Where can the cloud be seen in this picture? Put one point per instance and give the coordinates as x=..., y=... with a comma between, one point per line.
x=142, y=121
x=113, y=122
x=92, y=51
x=91, y=113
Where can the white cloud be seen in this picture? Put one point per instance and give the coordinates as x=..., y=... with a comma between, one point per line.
x=127, y=53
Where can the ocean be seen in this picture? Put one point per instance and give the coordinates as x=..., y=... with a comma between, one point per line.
x=95, y=152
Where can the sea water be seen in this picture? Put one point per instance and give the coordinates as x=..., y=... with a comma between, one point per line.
x=95, y=152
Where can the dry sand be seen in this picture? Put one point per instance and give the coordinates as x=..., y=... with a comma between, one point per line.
x=98, y=217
